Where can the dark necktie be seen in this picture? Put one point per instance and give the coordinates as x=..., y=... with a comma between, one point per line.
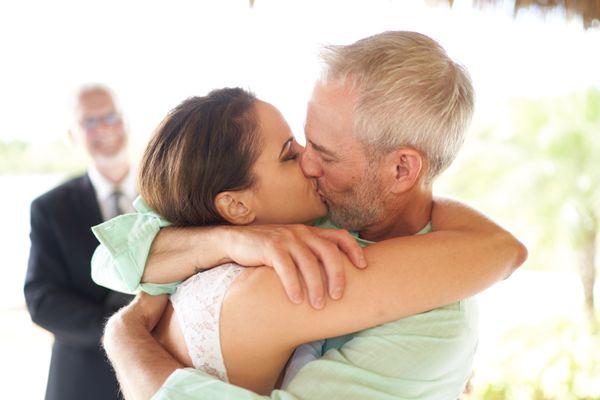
x=114, y=205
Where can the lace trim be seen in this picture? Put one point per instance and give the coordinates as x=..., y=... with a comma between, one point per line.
x=197, y=303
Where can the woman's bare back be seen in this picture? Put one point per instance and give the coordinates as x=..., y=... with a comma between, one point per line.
x=169, y=335
x=198, y=304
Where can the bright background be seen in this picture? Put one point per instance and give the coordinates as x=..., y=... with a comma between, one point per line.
x=530, y=160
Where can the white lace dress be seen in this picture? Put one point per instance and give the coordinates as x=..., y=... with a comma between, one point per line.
x=197, y=303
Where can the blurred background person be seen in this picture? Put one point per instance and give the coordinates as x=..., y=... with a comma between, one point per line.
x=59, y=291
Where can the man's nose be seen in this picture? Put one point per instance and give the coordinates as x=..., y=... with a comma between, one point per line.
x=310, y=166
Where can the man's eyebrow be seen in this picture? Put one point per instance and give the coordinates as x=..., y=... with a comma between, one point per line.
x=322, y=149
x=286, y=145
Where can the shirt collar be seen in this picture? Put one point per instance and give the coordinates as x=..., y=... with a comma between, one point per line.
x=104, y=187
x=326, y=223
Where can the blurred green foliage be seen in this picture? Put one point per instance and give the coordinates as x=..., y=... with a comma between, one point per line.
x=558, y=360
x=18, y=157
x=537, y=169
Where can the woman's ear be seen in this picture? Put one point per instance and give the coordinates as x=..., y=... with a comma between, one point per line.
x=406, y=166
x=234, y=208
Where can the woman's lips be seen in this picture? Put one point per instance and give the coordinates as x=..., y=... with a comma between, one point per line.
x=318, y=191
x=321, y=196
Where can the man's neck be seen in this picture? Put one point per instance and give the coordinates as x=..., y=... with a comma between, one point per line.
x=404, y=218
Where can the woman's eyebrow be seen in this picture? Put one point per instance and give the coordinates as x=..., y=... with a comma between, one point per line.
x=286, y=145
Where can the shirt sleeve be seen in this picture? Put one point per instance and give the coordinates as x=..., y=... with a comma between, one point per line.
x=119, y=261
x=192, y=384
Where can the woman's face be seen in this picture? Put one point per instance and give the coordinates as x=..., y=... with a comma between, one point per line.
x=281, y=194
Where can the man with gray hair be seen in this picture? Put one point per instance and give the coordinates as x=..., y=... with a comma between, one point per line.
x=60, y=294
x=387, y=116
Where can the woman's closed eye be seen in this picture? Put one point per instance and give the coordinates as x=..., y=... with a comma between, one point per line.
x=288, y=151
x=291, y=157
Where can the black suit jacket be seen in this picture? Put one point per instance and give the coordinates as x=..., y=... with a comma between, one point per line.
x=61, y=296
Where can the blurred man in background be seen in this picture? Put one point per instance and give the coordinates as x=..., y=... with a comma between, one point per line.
x=59, y=291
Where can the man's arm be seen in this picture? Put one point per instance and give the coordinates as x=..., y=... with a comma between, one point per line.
x=292, y=250
x=52, y=303
x=135, y=251
x=141, y=364
x=192, y=384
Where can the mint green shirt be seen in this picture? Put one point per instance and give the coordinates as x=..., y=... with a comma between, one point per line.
x=426, y=356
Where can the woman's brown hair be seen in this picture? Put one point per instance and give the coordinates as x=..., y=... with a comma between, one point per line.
x=205, y=145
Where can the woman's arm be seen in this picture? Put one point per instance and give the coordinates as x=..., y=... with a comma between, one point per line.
x=406, y=275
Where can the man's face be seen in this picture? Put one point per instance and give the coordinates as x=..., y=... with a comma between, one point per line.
x=346, y=179
x=101, y=127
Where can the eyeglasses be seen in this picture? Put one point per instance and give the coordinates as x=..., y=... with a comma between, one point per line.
x=111, y=119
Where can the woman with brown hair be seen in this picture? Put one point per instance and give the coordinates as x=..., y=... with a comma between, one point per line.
x=230, y=159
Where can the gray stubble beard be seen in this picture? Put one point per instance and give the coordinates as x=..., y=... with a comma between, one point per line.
x=363, y=205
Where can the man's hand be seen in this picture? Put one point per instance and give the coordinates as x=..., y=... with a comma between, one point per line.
x=140, y=362
x=293, y=249
x=148, y=309
x=144, y=312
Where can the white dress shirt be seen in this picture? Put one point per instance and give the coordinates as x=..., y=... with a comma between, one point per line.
x=105, y=188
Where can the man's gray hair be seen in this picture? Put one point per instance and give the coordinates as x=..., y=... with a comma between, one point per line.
x=410, y=93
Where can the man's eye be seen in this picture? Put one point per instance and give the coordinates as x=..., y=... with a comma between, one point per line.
x=291, y=157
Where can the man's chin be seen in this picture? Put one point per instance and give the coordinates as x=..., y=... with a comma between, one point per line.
x=110, y=157
x=349, y=219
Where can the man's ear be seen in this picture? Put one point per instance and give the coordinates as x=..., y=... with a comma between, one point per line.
x=234, y=207
x=405, y=166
